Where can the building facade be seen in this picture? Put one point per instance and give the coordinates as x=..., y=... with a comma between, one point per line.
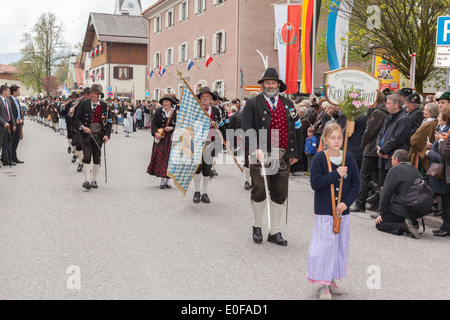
x=229, y=31
x=115, y=54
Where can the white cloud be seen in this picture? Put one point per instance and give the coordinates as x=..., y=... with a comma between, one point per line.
x=20, y=18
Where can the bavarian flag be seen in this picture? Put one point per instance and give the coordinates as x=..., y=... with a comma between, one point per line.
x=188, y=140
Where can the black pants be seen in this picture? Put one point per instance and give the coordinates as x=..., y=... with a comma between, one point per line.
x=90, y=148
x=369, y=169
x=392, y=224
x=15, y=141
x=445, y=212
x=6, y=140
x=277, y=184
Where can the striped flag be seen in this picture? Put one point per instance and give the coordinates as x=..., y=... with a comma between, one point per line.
x=162, y=70
x=150, y=73
x=188, y=140
x=209, y=59
x=287, y=25
x=337, y=27
x=190, y=64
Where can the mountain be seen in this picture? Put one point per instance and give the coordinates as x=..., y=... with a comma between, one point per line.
x=8, y=58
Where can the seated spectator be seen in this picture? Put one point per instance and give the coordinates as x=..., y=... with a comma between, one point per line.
x=393, y=216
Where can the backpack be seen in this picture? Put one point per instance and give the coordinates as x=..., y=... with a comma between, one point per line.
x=419, y=198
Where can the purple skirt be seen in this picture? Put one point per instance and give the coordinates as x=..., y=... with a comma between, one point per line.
x=328, y=252
x=160, y=157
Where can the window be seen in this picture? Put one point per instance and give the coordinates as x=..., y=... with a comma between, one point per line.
x=184, y=11
x=218, y=42
x=123, y=73
x=199, y=48
x=183, y=52
x=170, y=18
x=157, y=60
x=156, y=94
x=169, y=57
x=170, y=90
x=200, y=6
x=219, y=86
x=157, y=24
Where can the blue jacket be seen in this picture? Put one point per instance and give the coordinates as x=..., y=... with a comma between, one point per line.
x=321, y=179
x=311, y=145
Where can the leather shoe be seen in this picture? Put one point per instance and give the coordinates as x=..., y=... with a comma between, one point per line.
x=257, y=235
x=87, y=185
x=196, y=198
x=205, y=198
x=80, y=168
x=162, y=186
x=441, y=233
x=356, y=208
x=277, y=239
x=69, y=150
x=247, y=186
x=17, y=161
x=74, y=158
x=9, y=164
x=94, y=184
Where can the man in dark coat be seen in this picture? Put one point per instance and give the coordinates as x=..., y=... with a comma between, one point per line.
x=7, y=124
x=394, y=135
x=93, y=119
x=268, y=114
x=393, y=216
x=369, y=166
x=15, y=108
x=413, y=107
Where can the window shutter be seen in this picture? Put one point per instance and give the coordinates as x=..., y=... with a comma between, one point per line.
x=203, y=5
x=187, y=10
x=180, y=12
x=179, y=54
x=195, y=49
x=214, y=44
x=167, y=19
x=154, y=25
x=103, y=73
x=116, y=73
x=196, y=6
x=223, y=41
x=203, y=47
x=130, y=73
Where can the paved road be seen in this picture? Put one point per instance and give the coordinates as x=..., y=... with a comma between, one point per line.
x=130, y=240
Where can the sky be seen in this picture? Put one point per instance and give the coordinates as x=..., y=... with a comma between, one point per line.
x=21, y=17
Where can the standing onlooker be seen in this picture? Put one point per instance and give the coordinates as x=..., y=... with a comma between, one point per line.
x=15, y=108
x=128, y=121
x=444, y=152
x=7, y=123
x=310, y=147
x=328, y=251
x=369, y=166
x=395, y=134
x=138, y=115
x=413, y=106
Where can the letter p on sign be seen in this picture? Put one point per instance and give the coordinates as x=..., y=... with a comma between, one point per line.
x=443, y=31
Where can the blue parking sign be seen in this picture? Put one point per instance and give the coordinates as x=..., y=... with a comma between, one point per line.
x=443, y=31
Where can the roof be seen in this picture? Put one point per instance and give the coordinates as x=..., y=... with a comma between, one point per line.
x=7, y=69
x=115, y=28
x=153, y=6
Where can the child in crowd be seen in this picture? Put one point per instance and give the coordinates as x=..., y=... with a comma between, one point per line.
x=328, y=251
x=310, y=147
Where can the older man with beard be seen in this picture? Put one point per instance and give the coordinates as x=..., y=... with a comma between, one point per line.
x=271, y=122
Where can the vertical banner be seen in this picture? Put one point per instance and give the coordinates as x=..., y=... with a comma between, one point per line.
x=287, y=28
x=308, y=32
x=412, y=73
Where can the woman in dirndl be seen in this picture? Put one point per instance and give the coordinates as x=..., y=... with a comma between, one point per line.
x=328, y=251
x=163, y=124
x=128, y=121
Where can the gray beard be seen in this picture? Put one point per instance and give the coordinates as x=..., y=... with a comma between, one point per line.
x=272, y=94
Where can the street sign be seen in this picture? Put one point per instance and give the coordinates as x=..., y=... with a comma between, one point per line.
x=110, y=94
x=147, y=94
x=109, y=89
x=442, y=57
x=252, y=88
x=443, y=31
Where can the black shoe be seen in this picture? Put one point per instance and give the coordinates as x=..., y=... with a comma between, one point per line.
x=162, y=186
x=438, y=214
x=196, y=198
x=74, y=158
x=69, y=150
x=9, y=163
x=257, y=235
x=374, y=215
x=80, y=168
x=277, y=239
x=205, y=198
x=17, y=161
x=373, y=207
x=214, y=172
x=87, y=185
x=94, y=184
x=356, y=208
x=441, y=233
x=247, y=185
x=374, y=199
x=410, y=229
x=168, y=186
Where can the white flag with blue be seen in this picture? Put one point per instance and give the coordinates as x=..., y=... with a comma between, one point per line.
x=188, y=141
